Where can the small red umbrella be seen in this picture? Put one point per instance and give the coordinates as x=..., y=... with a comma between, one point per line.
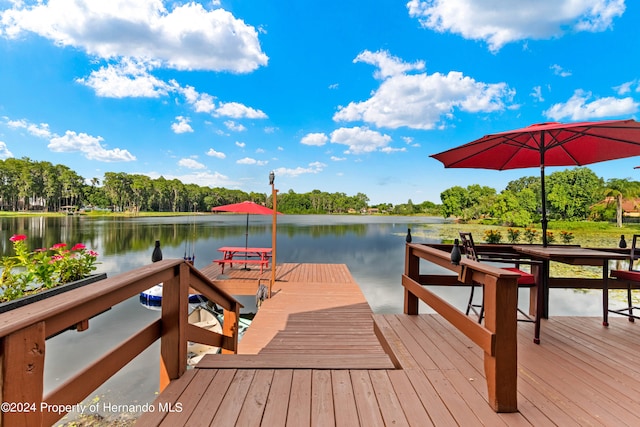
x=548, y=144
x=247, y=207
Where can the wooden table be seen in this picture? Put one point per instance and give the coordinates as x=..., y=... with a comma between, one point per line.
x=251, y=256
x=573, y=255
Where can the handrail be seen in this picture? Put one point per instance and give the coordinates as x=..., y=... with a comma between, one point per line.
x=497, y=338
x=23, y=334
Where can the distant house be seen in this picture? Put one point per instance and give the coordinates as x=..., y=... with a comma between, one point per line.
x=630, y=207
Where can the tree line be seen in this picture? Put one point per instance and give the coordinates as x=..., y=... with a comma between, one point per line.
x=27, y=185
x=573, y=194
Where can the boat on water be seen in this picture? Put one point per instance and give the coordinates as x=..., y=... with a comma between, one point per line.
x=152, y=298
x=202, y=317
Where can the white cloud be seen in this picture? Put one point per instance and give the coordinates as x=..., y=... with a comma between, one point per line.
x=217, y=154
x=579, y=107
x=233, y=126
x=626, y=87
x=250, y=161
x=420, y=101
x=360, y=139
x=315, y=139
x=338, y=159
x=559, y=71
x=390, y=150
x=236, y=110
x=40, y=130
x=207, y=179
x=182, y=125
x=499, y=22
x=536, y=93
x=313, y=168
x=90, y=146
x=128, y=78
x=201, y=102
x=387, y=64
x=4, y=151
x=240, y=144
x=191, y=164
x=188, y=37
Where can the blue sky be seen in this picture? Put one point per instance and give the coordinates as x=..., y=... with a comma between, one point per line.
x=338, y=96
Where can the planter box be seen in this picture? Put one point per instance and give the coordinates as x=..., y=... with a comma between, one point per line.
x=10, y=305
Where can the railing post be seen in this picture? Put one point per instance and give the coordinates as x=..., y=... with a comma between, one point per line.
x=501, y=368
x=23, y=376
x=173, y=343
x=411, y=269
x=230, y=328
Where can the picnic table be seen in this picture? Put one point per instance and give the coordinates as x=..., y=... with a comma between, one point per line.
x=242, y=255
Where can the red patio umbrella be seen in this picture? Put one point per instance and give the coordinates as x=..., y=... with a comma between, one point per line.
x=247, y=207
x=548, y=144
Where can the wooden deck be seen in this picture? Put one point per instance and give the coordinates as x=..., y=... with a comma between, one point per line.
x=311, y=357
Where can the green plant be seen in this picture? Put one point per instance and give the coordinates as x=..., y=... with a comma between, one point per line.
x=513, y=235
x=492, y=236
x=530, y=235
x=29, y=271
x=566, y=236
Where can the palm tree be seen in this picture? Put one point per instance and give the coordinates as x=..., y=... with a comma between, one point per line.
x=620, y=189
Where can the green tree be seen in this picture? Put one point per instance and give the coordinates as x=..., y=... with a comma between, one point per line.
x=454, y=200
x=572, y=192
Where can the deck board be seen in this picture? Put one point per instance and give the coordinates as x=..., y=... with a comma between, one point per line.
x=309, y=358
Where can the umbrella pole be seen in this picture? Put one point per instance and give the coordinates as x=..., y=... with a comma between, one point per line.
x=543, y=193
x=246, y=243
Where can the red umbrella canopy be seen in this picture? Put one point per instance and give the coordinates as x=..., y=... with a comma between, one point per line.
x=247, y=207
x=548, y=144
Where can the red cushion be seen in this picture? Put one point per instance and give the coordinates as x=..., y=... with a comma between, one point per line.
x=526, y=279
x=626, y=275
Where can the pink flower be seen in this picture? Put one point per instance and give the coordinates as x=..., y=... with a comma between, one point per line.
x=78, y=247
x=93, y=253
x=18, y=237
x=59, y=246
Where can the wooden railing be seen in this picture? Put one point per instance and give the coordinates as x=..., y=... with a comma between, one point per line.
x=23, y=334
x=497, y=338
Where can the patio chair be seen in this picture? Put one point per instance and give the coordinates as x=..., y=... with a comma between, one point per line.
x=526, y=280
x=631, y=278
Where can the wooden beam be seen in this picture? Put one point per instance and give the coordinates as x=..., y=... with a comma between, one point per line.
x=473, y=330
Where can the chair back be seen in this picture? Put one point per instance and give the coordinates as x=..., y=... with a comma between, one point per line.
x=468, y=248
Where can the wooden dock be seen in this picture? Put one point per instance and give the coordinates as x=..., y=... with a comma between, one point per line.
x=312, y=357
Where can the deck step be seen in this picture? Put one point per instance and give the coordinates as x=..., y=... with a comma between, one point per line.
x=297, y=361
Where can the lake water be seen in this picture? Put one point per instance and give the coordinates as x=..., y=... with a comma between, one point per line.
x=371, y=246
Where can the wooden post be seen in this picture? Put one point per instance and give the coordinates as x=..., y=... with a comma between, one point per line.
x=501, y=368
x=274, y=198
x=411, y=269
x=23, y=376
x=230, y=329
x=173, y=343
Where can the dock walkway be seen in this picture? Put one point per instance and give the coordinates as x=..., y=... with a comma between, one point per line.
x=311, y=357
